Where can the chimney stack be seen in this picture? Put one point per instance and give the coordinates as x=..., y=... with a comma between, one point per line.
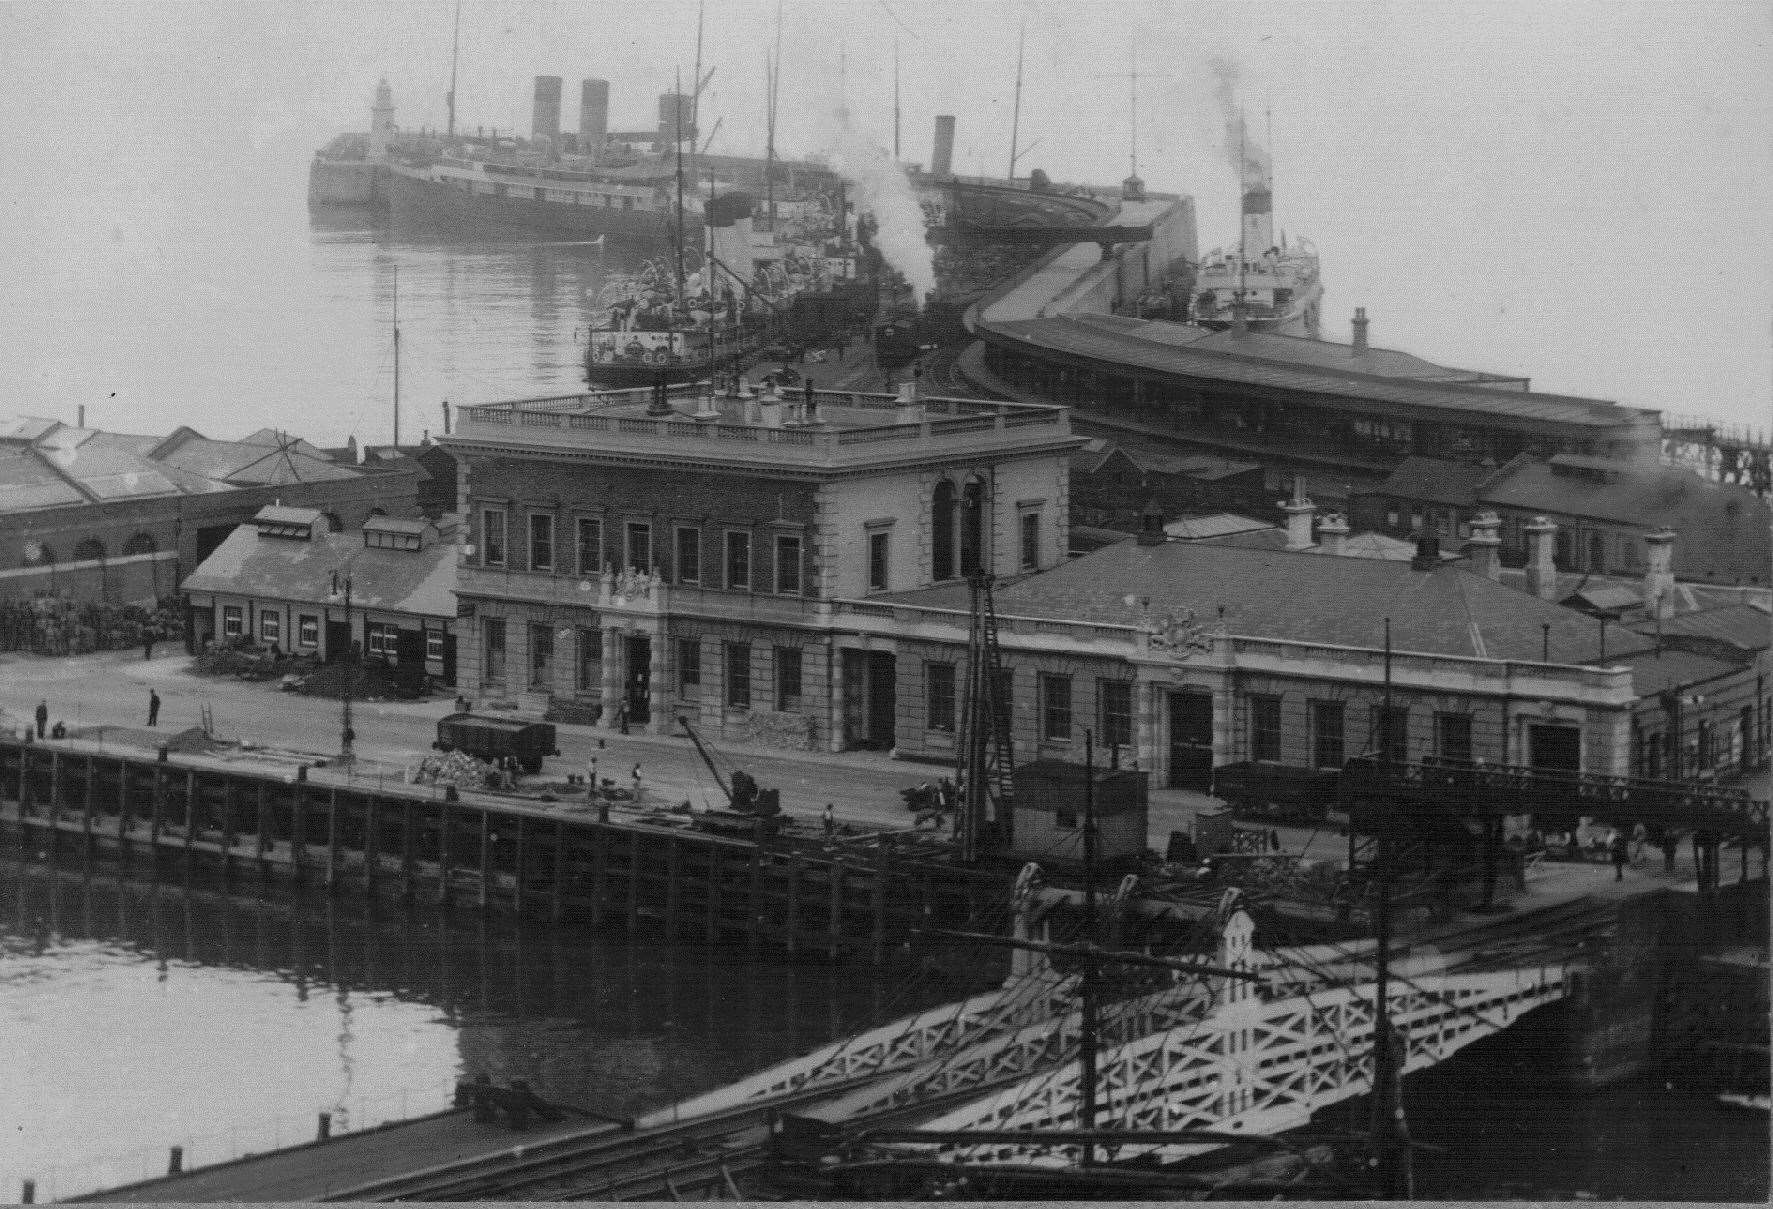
x=1486, y=545
x=942, y=154
x=1659, y=581
x=1332, y=534
x=1360, y=330
x=1151, y=525
x=1542, y=573
x=1299, y=512
x=80, y=416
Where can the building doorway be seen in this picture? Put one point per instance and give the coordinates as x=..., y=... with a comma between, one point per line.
x=640, y=678
x=338, y=640
x=1555, y=748
x=1191, y=741
x=870, y=699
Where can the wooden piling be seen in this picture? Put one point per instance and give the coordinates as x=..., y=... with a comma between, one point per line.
x=230, y=795
x=557, y=905
x=86, y=803
x=673, y=858
x=795, y=872
x=264, y=826
x=835, y=930
x=190, y=814
x=408, y=825
x=486, y=873
x=633, y=879
x=445, y=873
x=298, y=829
x=372, y=841
x=599, y=873
x=123, y=811
x=878, y=904
x=332, y=839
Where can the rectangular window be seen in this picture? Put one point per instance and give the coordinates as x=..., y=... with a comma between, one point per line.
x=1452, y=737
x=233, y=621
x=1117, y=713
x=492, y=649
x=590, y=546
x=1326, y=734
x=541, y=541
x=382, y=639
x=541, y=655
x=787, y=678
x=434, y=645
x=689, y=666
x=1030, y=541
x=640, y=546
x=938, y=679
x=738, y=560
x=788, y=565
x=308, y=630
x=1265, y=728
x=492, y=537
x=270, y=626
x=1391, y=735
x=1055, y=708
x=879, y=547
x=738, y=675
x=590, y=663
x=689, y=555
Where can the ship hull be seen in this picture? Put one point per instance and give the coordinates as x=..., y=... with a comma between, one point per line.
x=346, y=182
x=418, y=200
x=1299, y=319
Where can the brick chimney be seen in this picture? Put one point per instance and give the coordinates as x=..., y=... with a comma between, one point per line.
x=1360, y=330
x=1332, y=534
x=1299, y=512
x=1659, y=581
x=1428, y=554
x=1542, y=573
x=1485, y=545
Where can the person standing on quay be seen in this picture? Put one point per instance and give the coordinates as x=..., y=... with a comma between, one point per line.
x=153, y=708
x=42, y=716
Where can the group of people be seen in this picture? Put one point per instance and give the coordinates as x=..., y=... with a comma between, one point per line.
x=60, y=729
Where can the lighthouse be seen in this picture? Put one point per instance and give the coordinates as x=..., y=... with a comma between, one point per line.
x=381, y=120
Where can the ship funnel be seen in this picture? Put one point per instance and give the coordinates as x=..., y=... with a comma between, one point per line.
x=545, y=122
x=1258, y=220
x=593, y=115
x=942, y=154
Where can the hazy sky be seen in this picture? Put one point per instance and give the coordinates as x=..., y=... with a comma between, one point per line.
x=1578, y=192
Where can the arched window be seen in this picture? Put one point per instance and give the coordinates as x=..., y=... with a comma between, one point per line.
x=90, y=550
x=972, y=528
x=942, y=531
x=140, y=543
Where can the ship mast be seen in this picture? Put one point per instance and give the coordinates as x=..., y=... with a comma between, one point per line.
x=397, y=356
x=1134, y=154
x=695, y=103
x=677, y=112
x=1243, y=166
x=895, y=100
x=1016, y=112
x=775, y=80
x=455, y=46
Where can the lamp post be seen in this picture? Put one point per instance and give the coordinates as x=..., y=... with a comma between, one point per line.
x=347, y=736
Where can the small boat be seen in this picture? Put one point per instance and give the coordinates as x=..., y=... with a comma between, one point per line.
x=1751, y=1101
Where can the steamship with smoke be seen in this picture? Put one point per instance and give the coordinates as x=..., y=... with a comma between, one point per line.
x=1273, y=286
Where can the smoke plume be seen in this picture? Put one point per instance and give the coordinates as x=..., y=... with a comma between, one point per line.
x=882, y=189
x=1252, y=165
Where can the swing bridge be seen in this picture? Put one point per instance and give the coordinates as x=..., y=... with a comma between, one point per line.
x=1252, y=1049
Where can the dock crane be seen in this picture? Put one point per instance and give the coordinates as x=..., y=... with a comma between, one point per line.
x=747, y=805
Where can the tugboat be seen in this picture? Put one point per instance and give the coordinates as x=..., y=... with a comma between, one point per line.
x=1276, y=284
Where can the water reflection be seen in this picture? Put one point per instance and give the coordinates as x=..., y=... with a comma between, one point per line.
x=147, y=1012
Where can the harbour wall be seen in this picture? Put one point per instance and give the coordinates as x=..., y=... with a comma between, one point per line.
x=69, y=801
